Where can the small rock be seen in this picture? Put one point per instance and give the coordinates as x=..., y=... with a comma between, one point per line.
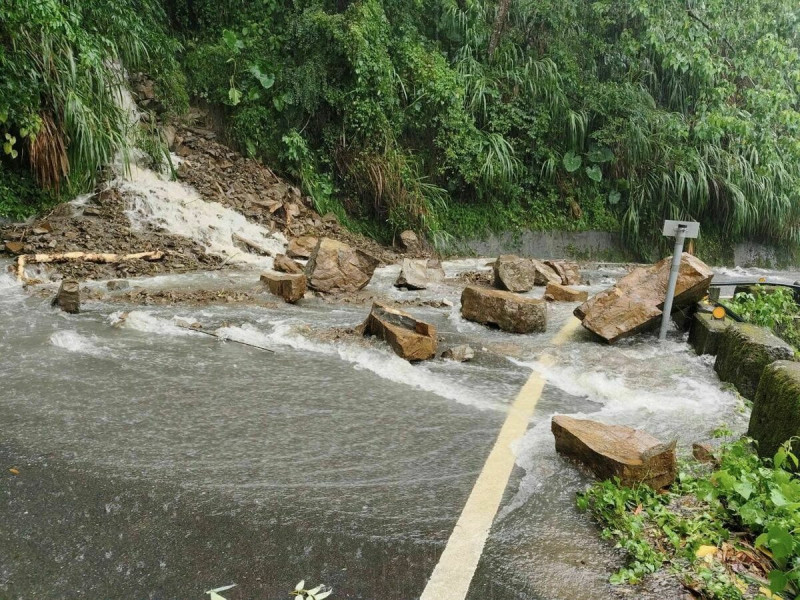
x=118, y=284
x=508, y=311
x=301, y=247
x=462, y=353
x=68, y=297
x=555, y=292
x=15, y=247
x=290, y=287
x=409, y=338
x=91, y=211
x=703, y=452
x=616, y=451
x=284, y=264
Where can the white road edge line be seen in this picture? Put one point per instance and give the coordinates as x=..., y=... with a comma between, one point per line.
x=453, y=574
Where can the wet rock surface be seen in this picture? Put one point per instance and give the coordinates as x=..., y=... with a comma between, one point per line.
x=608, y=451
x=284, y=264
x=706, y=332
x=506, y=310
x=337, y=267
x=413, y=274
x=514, y=273
x=744, y=351
x=410, y=338
x=460, y=353
x=555, y=292
x=68, y=297
x=289, y=286
x=634, y=304
x=776, y=407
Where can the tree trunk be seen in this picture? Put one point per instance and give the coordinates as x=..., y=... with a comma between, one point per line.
x=499, y=25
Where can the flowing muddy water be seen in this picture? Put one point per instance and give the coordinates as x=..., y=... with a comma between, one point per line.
x=158, y=462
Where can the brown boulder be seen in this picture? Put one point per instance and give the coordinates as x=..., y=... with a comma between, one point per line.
x=508, y=311
x=289, y=286
x=544, y=274
x=284, y=264
x=410, y=242
x=562, y=293
x=409, y=338
x=68, y=297
x=568, y=271
x=336, y=267
x=514, y=273
x=616, y=451
x=301, y=247
x=15, y=247
x=635, y=302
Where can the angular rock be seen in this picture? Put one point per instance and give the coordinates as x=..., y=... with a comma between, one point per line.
x=776, y=408
x=555, y=292
x=409, y=338
x=410, y=242
x=336, y=267
x=514, y=273
x=744, y=350
x=544, y=274
x=284, y=264
x=289, y=286
x=635, y=302
x=435, y=270
x=461, y=353
x=508, y=311
x=633, y=455
x=413, y=275
x=706, y=332
x=301, y=247
x=68, y=297
x=15, y=247
x=568, y=271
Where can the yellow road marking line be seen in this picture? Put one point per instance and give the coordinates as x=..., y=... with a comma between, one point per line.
x=453, y=573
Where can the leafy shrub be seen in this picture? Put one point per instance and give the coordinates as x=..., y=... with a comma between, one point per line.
x=745, y=505
x=774, y=308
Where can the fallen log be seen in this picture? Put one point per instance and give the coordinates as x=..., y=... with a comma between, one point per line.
x=96, y=257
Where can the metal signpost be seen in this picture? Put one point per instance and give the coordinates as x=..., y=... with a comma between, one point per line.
x=681, y=230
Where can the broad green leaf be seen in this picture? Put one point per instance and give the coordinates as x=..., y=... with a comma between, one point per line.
x=231, y=40
x=600, y=154
x=235, y=96
x=300, y=585
x=613, y=197
x=744, y=489
x=777, y=581
x=780, y=542
x=572, y=162
x=778, y=498
x=594, y=173
x=265, y=80
x=315, y=590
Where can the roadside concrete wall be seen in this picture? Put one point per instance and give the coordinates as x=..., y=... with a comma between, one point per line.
x=583, y=245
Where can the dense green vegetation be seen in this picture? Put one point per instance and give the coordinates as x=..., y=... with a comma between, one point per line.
x=728, y=532
x=775, y=308
x=61, y=72
x=454, y=116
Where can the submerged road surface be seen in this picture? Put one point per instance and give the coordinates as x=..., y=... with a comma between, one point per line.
x=151, y=462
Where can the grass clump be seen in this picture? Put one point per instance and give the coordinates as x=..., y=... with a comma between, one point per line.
x=774, y=308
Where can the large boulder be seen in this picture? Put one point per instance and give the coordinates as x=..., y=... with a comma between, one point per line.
x=289, y=286
x=301, y=247
x=413, y=274
x=706, y=332
x=776, y=408
x=568, y=271
x=743, y=351
x=633, y=455
x=409, y=338
x=544, y=274
x=409, y=242
x=508, y=311
x=635, y=302
x=336, y=267
x=555, y=292
x=284, y=264
x=514, y=273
